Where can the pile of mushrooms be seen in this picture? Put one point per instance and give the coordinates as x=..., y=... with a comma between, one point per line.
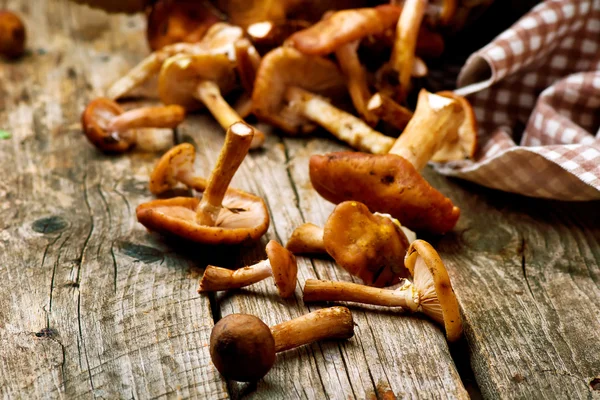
x=351, y=71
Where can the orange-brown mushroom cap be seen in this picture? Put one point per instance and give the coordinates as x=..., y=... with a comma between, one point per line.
x=12, y=35
x=366, y=245
x=243, y=218
x=284, y=267
x=285, y=67
x=344, y=27
x=178, y=158
x=463, y=145
x=175, y=21
x=448, y=305
x=95, y=120
x=384, y=183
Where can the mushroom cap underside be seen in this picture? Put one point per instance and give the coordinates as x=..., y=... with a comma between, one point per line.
x=434, y=266
x=284, y=267
x=178, y=158
x=243, y=218
x=95, y=121
x=464, y=144
x=384, y=183
x=367, y=245
x=285, y=67
x=180, y=75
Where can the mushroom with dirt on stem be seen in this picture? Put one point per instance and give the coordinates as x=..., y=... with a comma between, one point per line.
x=243, y=348
x=222, y=216
x=430, y=292
x=111, y=129
x=193, y=80
x=391, y=183
x=12, y=35
x=280, y=264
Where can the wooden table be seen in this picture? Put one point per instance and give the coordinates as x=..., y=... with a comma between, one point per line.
x=94, y=306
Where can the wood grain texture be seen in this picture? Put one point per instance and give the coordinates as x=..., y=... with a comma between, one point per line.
x=91, y=306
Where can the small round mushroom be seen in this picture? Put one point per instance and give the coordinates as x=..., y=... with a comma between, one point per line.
x=176, y=165
x=391, y=183
x=112, y=129
x=280, y=264
x=192, y=80
x=12, y=35
x=307, y=239
x=430, y=292
x=222, y=216
x=175, y=21
x=369, y=246
x=243, y=348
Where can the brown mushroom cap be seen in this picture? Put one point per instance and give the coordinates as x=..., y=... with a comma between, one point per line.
x=242, y=347
x=180, y=75
x=464, y=144
x=284, y=67
x=284, y=267
x=180, y=157
x=243, y=218
x=366, y=245
x=344, y=27
x=175, y=21
x=95, y=121
x=384, y=183
x=432, y=281
x=12, y=35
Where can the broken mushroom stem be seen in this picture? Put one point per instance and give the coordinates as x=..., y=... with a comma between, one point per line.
x=434, y=119
x=243, y=348
x=307, y=239
x=237, y=143
x=430, y=292
x=280, y=264
x=342, y=125
x=209, y=93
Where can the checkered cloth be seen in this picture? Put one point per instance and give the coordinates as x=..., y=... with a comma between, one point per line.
x=540, y=77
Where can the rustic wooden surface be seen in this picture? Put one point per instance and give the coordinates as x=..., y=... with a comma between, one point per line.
x=93, y=306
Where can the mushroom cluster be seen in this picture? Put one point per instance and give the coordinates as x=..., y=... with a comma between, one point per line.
x=298, y=74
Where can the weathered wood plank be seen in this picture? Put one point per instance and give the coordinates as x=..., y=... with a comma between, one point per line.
x=526, y=272
x=405, y=355
x=92, y=307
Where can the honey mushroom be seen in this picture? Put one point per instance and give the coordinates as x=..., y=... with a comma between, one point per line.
x=222, y=216
x=280, y=98
x=267, y=35
x=280, y=264
x=306, y=239
x=391, y=183
x=430, y=292
x=243, y=348
x=12, y=35
x=111, y=129
x=385, y=108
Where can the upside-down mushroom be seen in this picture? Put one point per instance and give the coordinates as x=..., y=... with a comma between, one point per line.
x=12, y=35
x=243, y=348
x=306, y=239
x=391, y=183
x=111, y=129
x=218, y=40
x=222, y=216
x=369, y=246
x=176, y=21
x=192, y=80
x=280, y=264
x=430, y=292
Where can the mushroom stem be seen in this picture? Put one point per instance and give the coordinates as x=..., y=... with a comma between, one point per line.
x=307, y=238
x=356, y=79
x=387, y=109
x=407, y=31
x=434, y=118
x=237, y=143
x=208, y=92
x=327, y=323
x=342, y=125
x=138, y=75
x=148, y=117
x=217, y=278
x=191, y=180
x=406, y=297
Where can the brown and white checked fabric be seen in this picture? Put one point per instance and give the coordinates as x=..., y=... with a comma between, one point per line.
x=540, y=77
